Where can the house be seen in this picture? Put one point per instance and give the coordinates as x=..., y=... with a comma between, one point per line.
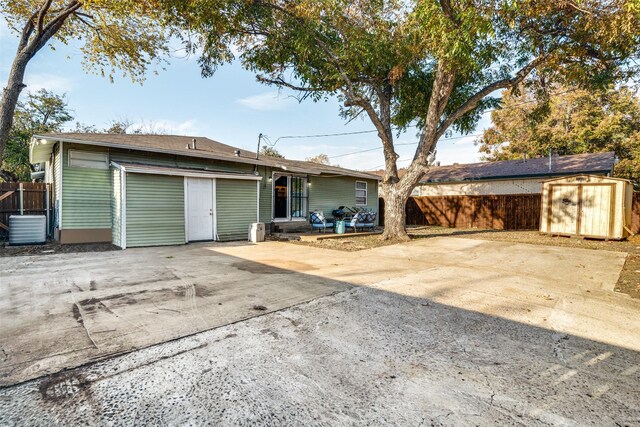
x=147, y=190
x=523, y=176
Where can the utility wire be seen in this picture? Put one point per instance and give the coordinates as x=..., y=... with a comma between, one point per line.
x=272, y=144
x=323, y=135
x=404, y=143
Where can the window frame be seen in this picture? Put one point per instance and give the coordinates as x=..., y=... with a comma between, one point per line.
x=99, y=164
x=366, y=193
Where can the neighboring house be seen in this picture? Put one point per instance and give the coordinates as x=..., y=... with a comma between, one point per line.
x=511, y=176
x=146, y=190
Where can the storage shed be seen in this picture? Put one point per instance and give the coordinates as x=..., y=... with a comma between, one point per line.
x=587, y=206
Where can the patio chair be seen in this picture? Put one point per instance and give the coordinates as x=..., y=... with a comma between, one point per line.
x=356, y=221
x=318, y=221
x=368, y=220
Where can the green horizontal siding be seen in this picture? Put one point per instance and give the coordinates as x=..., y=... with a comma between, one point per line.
x=235, y=208
x=57, y=184
x=86, y=194
x=155, y=210
x=266, y=198
x=327, y=194
x=116, y=207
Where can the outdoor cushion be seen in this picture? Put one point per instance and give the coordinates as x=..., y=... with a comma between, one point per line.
x=318, y=221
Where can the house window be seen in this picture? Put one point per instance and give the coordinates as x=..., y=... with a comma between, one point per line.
x=361, y=193
x=88, y=159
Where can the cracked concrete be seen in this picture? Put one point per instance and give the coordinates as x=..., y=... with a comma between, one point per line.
x=360, y=357
x=437, y=332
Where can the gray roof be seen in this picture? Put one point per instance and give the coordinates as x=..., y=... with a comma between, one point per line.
x=205, y=148
x=588, y=163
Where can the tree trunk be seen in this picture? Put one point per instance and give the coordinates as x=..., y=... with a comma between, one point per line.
x=9, y=101
x=395, y=200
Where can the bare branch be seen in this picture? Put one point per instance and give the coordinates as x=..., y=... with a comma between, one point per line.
x=282, y=82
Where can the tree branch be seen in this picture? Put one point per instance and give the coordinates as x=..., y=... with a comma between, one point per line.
x=282, y=82
x=55, y=24
x=41, y=14
x=447, y=9
x=472, y=102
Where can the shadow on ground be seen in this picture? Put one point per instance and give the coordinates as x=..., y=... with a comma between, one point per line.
x=361, y=356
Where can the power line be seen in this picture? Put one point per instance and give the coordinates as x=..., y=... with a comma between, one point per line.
x=397, y=161
x=402, y=144
x=323, y=135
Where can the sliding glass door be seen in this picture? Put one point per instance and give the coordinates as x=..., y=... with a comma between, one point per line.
x=289, y=197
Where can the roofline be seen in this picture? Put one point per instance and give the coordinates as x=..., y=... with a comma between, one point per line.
x=193, y=173
x=496, y=178
x=237, y=159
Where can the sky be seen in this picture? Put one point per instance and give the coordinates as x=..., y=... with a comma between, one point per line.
x=230, y=107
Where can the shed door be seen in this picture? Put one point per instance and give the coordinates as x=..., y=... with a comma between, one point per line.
x=200, y=208
x=595, y=212
x=564, y=209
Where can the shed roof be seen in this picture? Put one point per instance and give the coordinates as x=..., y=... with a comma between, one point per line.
x=179, y=145
x=587, y=163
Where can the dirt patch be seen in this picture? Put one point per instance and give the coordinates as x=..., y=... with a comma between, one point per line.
x=629, y=281
x=62, y=386
x=348, y=244
x=51, y=248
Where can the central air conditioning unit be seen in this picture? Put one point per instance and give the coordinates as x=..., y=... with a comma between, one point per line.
x=27, y=229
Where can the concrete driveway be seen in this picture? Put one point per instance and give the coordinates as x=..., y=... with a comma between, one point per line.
x=60, y=311
x=441, y=331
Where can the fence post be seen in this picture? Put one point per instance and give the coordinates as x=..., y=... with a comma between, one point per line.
x=21, y=199
x=46, y=201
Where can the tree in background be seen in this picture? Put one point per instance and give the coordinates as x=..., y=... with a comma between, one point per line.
x=567, y=121
x=42, y=112
x=268, y=151
x=432, y=64
x=126, y=35
x=119, y=126
x=322, y=159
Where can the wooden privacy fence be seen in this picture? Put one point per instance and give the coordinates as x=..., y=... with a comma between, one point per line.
x=635, y=213
x=26, y=198
x=500, y=212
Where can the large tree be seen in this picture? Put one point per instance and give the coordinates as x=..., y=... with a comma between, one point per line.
x=430, y=63
x=42, y=112
x=567, y=121
x=126, y=35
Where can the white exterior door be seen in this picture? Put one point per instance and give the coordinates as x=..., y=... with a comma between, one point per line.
x=200, y=206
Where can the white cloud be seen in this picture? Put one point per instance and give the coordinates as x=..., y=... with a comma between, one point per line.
x=269, y=101
x=51, y=82
x=187, y=127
